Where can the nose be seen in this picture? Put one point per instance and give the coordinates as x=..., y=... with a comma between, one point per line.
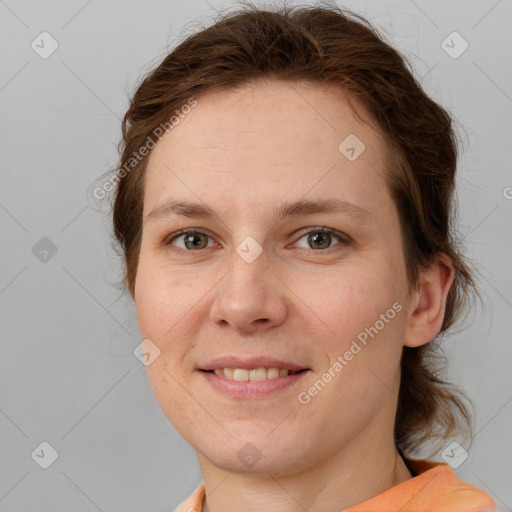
x=251, y=297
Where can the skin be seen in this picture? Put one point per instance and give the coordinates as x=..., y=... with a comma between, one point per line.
x=240, y=152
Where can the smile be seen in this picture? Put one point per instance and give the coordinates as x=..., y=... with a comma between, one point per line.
x=255, y=383
x=243, y=374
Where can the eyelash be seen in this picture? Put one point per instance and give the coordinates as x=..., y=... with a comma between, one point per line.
x=344, y=239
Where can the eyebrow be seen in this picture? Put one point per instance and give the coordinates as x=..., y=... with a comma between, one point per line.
x=294, y=209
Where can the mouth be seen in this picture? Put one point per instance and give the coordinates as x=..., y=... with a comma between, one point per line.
x=252, y=377
x=253, y=383
x=254, y=374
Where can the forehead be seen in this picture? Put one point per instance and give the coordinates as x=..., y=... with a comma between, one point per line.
x=267, y=139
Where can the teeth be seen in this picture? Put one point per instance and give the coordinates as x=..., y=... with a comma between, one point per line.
x=241, y=374
x=244, y=375
x=272, y=373
x=258, y=374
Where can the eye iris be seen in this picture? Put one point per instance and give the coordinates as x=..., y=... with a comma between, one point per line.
x=193, y=237
x=315, y=238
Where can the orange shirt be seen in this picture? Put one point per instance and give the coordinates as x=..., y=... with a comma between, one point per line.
x=436, y=488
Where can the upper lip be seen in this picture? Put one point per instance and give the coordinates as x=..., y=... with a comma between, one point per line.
x=251, y=363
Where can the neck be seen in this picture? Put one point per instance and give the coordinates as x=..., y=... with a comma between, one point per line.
x=334, y=484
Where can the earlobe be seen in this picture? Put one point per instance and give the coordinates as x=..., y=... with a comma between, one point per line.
x=429, y=303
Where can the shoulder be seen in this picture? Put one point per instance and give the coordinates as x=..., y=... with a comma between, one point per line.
x=445, y=491
x=434, y=488
x=194, y=503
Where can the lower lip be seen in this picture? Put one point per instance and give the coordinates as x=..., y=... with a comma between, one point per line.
x=252, y=388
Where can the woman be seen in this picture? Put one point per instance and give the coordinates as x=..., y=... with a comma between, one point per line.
x=284, y=206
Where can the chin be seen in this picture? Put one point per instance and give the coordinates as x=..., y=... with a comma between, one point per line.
x=257, y=456
x=261, y=465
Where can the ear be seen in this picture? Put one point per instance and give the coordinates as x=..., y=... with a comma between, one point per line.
x=428, y=303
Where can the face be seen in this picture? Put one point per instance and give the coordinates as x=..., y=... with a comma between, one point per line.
x=323, y=291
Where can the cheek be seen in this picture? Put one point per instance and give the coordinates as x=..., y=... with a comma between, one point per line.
x=164, y=317
x=163, y=298
x=366, y=317
x=353, y=300
x=156, y=315
x=170, y=310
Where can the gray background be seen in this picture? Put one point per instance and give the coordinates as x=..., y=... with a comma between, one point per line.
x=68, y=373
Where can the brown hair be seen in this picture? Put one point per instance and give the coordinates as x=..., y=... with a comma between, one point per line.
x=328, y=45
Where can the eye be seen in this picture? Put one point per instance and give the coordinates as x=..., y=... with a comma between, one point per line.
x=317, y=238
x=192, y=239
x=321, y=238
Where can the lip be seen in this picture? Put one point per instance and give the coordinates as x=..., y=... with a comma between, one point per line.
x=251, y=363
x=251, y=388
